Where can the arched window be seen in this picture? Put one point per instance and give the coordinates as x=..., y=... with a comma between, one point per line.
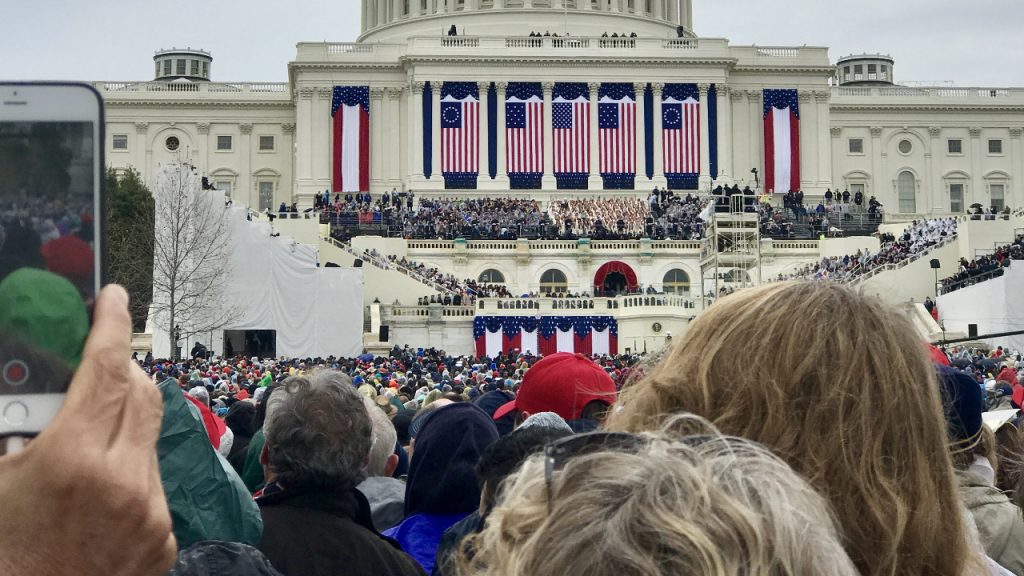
x=491, y=276
x=906, y=188
x=676, y=281
x=553, y=282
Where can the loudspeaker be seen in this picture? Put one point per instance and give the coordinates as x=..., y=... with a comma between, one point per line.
x=384, y=333
x=358, y=263
x=935, y=263
x=972, y=330
x=331, y=265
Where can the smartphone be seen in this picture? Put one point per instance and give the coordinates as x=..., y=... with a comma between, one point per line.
x=51, y=251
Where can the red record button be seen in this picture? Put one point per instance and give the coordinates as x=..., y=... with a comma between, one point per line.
x=15, y=373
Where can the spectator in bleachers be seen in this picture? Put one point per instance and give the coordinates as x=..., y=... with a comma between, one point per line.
x=984, y=267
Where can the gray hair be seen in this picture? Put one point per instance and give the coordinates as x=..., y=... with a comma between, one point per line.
x=318, y=432
x=384, y=438
x=705, y=504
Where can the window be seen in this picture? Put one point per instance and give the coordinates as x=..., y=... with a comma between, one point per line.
x=491, y=276
x=224, y=143
x=206, y=69
x=905, y=147
x=995, y=146
x=676, y=281
x=157, y=73
x=956, y=198
x=195, y=68
x=885, y=72
x=172, y=143
x=553, y=282
x=119, y=142
x=266, y=143
x=846, y=73
x=266, y=195
x=858, y=72
x=167, y=67
x=996, y=192
x=906, y=188
x=872, y=71
x=856, y=145
x=955, y=146
x=224, y=186
x=180, y=68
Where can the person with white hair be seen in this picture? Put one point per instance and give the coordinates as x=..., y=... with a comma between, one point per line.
x=385, y=494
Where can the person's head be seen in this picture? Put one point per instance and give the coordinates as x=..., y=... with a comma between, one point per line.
x=660, y=504
x=318, y=433
x=383, y=459
x=963, y=402
x=837, y=385
x=506, y=455
x=570, y=385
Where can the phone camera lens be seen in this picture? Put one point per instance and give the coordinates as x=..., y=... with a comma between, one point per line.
x=15, y=373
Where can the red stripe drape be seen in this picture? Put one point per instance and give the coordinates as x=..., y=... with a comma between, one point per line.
x=336, y=158
x=769, y=154
x=364, y=149
x=794, y=140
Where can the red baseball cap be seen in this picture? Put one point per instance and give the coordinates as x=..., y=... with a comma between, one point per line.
x=562, y=383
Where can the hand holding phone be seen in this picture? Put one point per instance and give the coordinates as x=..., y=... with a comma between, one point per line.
x=84, y=496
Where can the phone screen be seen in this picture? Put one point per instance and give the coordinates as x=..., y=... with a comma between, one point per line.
x=48, y=263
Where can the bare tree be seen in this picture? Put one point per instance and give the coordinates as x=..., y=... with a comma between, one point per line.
x=191, y=255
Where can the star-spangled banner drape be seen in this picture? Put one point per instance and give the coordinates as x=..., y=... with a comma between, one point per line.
x=588, y=335
x=570, y=128
x=616, y=115
x=680, y=130
x=350, y=163
x=524, y=134
x=781, y=141
x=460, y=134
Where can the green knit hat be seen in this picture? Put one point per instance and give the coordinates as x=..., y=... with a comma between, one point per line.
x=45, y=309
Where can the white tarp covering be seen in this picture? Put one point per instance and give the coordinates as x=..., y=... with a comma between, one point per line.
x=994, y=305
x=275, y=284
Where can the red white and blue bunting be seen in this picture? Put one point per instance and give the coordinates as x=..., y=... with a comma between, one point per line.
x=587, y=335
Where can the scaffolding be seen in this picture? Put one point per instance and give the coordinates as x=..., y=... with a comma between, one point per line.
x=730, y=256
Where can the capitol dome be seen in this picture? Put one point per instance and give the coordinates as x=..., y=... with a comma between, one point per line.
x=399, y=20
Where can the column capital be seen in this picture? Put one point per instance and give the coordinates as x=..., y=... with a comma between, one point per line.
x=836, y=131
x=1016, y=131
x=141, y=127
x=288, y=127
x=755, y=96
x=376, y=92
x=876, y=131
x=934, y=131
x=324, y=91
x=975, y=131
x=483, y=86
x=547, y=87
x=722, y=90
x=417, y=86
x=306, y=92
x=245, y=127
x=203, y=127
x=501, y=86
x=394, y=92
x=822, y=95
x=737, y=95
x=804, y=96
x=702, y=89
x=594, y=87
x=639, y=87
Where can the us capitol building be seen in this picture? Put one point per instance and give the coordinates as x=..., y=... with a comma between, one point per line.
x=921, y=151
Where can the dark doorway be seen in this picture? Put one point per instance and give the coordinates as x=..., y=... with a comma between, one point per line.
x=259, y=343
x=614, y=284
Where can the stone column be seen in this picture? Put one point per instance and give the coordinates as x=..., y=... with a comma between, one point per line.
x=204, y=144
x=414, y=11
x=502, y=177
x=755, y=140
x=1015, y=195
x=977, y=183
x=808, y=144
x=548, y=180
x=288, y=179
x=485, y=174
x=659, y=153
x=435, y=136
x=382, y=11
x=659, y=9
x=876, y=168
x=640, y=176
x=725, y=167
x=416, y=132
x=396, y=9
x=939, y=195
x=245, y=169
x=304, y=139
x=321, y=150
x=705, y=147
x=741, y=130
x=594, y=182
x=391, y=129
x=377, y=176
x=821, y=98
x=836, y=148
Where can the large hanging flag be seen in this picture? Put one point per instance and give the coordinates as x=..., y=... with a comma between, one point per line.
x=616, y=115
x=350, y=109
x=680, y=129
x=587, y=335
x=570, y=127
x=460, y=134
x=781, y=141
x=524, y=134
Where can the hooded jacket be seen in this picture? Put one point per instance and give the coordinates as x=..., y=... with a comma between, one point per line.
x=999, y=521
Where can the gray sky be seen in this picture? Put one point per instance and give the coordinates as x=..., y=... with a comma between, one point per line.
x=973, y=43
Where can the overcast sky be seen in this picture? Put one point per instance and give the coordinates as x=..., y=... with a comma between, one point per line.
x=969, y=42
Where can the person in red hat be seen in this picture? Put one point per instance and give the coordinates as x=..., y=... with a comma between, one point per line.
x=570, y=385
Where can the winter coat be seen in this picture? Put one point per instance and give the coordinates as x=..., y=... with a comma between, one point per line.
x=1000, y=522
x=326, y=533
x=387, y=500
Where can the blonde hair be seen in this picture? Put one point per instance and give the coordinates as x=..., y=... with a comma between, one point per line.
x=840, y=387
x=703, y=505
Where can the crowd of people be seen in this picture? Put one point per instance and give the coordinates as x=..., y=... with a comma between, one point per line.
x=426, y=463
x=984, y=267
x=919, y=237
